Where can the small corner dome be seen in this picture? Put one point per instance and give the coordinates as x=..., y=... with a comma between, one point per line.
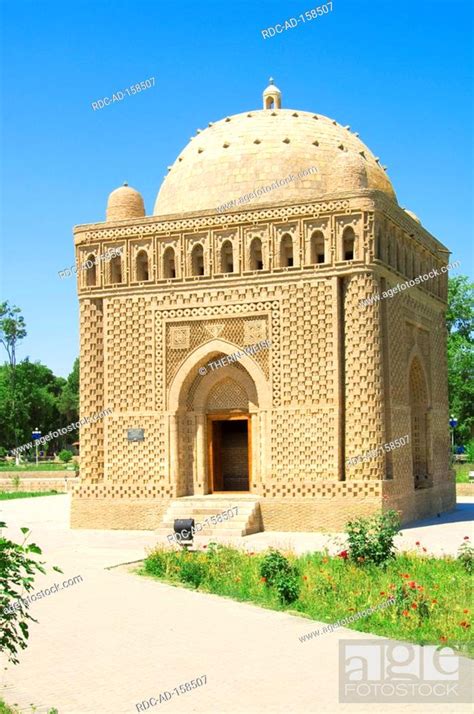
x=412, y=215
x=125, y=202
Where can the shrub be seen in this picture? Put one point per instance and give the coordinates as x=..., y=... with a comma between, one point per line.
x=3, y=453
x=466, y=555
x=288, y=587
x=470, y=451
x=192, y=571
x=371, y=539
x=65, y=455
x=155, y=564
x=17, y=573
x=277, y=572
x=273, y=565
x=16, y=481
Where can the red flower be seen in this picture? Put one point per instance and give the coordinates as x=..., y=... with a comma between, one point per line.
x=404, y=575
x=204, y=546
x=412, y=584
x=325, y=560
x=343, y=554
x=465, y=624
x=465, y=611
x=420, y=587
x=417, y=542
x=414, y=605
x=263, y=580
x=435, y=602
x=382, y=593
x=405, y=612
x=443, y=638
x=305, y=577
x=351, y=609
x=424, y=550
x=466, y=537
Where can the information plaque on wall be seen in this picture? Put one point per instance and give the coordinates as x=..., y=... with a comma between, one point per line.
x=136, y=434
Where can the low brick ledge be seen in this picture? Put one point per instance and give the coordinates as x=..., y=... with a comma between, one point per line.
x=465, y=489
x=62, y=483
x=64, y=473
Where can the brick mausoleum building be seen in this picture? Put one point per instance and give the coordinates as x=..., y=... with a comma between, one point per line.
x=270, y=432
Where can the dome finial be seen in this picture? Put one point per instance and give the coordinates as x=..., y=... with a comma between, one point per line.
x=271, y=81
x=271, y=96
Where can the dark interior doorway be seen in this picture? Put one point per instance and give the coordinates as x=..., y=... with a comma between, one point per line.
x=230, y=454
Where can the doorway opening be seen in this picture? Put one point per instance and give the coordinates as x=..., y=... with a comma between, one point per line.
x=229, y=453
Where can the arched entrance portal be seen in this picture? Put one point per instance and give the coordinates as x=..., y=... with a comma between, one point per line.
x=218, y=423
x=420, y=426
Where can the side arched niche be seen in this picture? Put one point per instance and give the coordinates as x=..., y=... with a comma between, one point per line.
x=420, y=421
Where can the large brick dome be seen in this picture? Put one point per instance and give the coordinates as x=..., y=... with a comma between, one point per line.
x=247, y=151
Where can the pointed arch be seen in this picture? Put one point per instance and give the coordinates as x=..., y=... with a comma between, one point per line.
x=202, y=356
x=318, y=253
x=286, y=251
x=169, y=263
x=116, y=269
x=227, y=257
x=256, y=255
x=197, y=260
x=91, y=272
x=141, y=266
x=348, y=244
x=420, y=423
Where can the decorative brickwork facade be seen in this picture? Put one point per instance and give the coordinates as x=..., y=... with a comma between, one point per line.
x=195, y=285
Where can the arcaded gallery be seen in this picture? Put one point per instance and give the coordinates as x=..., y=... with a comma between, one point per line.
x=229, y=337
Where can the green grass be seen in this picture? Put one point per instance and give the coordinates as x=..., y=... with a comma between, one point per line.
x=9, y=495
x=8, y=466
x=462, y=472
x=333, y=588
x=6, y=709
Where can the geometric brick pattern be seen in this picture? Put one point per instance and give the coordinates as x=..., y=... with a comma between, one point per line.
x=362, y=377
x=129, y=357
x=199, y=331
x=91, y=388
x=227, y=395
x=327, y=369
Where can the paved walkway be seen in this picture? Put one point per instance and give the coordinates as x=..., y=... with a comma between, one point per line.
x=107, y=643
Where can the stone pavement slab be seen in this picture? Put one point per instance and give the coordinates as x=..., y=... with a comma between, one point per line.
x=114, y=639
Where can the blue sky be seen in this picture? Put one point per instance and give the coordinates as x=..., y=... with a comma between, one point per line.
x=398, y=73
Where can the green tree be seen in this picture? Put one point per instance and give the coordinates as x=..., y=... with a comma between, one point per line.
x=68, y=402
x=460, y=312
x=65, y=455
x=460, y=324
x=37, y=394
x=18, y=570
x=12, y=330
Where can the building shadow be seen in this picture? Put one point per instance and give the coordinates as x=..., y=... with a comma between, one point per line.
x=464, y=512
